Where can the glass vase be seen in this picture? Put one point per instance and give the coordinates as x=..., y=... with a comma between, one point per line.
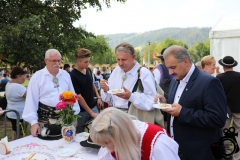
x=68, y=133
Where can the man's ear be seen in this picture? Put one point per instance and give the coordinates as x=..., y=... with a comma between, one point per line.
x=134, y=56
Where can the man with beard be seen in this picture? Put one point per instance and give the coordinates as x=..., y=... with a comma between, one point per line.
x=43, y=93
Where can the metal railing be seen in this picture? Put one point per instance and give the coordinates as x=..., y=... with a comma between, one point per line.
x=18, y=120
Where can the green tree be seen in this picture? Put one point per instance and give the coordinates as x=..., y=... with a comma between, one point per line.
x=156, y=48
x=199, y=50
x=99, y=47
x=151, y=49
x=138, y=56
x=30, y=27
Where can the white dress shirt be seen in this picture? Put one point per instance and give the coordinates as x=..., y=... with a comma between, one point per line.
x=157, y=75
x=143, y=101
x=181, y=87
x=164, y=148
x=42, y=89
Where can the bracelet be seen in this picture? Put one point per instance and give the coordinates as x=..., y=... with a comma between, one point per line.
x=99, y=98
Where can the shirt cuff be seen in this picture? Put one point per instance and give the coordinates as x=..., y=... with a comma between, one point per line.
x=34, y=122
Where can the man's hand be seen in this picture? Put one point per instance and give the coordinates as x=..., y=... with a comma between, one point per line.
x=125, y=95
x=103, y=85
x=35, y=130
x=175, y=110
x=1, y=111
x=93, y=114
x=161, y=98
x=99, y=103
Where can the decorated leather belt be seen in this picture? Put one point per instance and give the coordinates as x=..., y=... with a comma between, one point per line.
x=48, y=121
x=123, y=109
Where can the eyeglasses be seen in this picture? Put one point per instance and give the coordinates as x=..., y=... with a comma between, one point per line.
x=55, y=60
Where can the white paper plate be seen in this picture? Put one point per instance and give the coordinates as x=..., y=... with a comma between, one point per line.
x=24, y=155
x=81, y=137
x=162, y=106
x=115, y=91
x=66, y=152
x=84, y=135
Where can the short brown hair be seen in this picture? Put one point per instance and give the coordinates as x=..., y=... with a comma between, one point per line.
x=17, y=71
x=82, y=53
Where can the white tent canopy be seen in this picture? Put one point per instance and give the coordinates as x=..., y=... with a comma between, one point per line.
x=225, y=38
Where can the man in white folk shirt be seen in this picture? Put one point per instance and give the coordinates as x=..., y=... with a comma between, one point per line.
x=125, y=76
x=43, y=93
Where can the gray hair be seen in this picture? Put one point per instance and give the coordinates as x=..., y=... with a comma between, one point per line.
x=125, y=47
x=178, y=52
x=199, y=65
x=53, y=52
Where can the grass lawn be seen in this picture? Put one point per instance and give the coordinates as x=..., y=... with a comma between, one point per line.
x=8, y=129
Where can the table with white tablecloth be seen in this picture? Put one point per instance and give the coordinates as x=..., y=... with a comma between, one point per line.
x=49, y=150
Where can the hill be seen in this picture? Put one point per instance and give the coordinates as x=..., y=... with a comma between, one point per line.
x=188, y=35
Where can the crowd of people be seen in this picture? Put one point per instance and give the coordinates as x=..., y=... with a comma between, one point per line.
x=203, y=100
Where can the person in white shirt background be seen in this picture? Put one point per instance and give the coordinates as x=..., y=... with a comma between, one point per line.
x=16, y=94
x=125, y=76
x=44, y=89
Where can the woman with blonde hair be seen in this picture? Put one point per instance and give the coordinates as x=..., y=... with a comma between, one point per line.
x=208, y=64
x=122, y=138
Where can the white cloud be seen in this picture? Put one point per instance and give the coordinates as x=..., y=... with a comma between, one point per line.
x=146, y=15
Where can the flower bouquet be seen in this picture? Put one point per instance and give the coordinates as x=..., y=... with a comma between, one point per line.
x=65, y=108
x=67, y=117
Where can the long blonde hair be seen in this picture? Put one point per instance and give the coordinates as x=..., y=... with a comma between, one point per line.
x=119, y=128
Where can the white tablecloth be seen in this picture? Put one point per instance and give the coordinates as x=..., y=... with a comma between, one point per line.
x=29, y=144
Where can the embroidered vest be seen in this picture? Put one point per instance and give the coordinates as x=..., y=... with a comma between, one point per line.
x=148, y=141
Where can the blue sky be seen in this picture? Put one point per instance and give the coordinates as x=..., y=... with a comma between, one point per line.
x=146, y=15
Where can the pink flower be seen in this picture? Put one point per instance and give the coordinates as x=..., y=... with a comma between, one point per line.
x=61, y=105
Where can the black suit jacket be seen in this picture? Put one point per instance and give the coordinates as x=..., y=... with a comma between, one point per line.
x=231, y=85
x=202, y=116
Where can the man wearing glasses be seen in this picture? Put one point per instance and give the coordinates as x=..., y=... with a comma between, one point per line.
x=43, y=92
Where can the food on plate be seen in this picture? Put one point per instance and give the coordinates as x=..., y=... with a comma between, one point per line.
x=165, y=105
x=117, y=91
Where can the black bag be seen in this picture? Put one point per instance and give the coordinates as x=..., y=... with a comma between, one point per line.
x=3, y=103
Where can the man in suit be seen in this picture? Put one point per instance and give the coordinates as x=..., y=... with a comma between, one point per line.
x=230, y=80
x=198, y=106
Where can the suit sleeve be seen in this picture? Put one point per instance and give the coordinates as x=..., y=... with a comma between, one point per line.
x=211, y=110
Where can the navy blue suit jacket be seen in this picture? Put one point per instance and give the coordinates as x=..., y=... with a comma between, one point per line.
x=203, y=114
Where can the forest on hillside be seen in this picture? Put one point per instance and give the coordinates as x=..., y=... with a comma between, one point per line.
x=189, y=36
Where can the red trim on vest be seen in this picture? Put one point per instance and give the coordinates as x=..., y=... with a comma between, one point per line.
x=149, y=139
x=151, y=134
x=113, y=154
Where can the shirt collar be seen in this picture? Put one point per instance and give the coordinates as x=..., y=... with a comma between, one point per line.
x=133, y=71
x=187, y=77
x=45, y=71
